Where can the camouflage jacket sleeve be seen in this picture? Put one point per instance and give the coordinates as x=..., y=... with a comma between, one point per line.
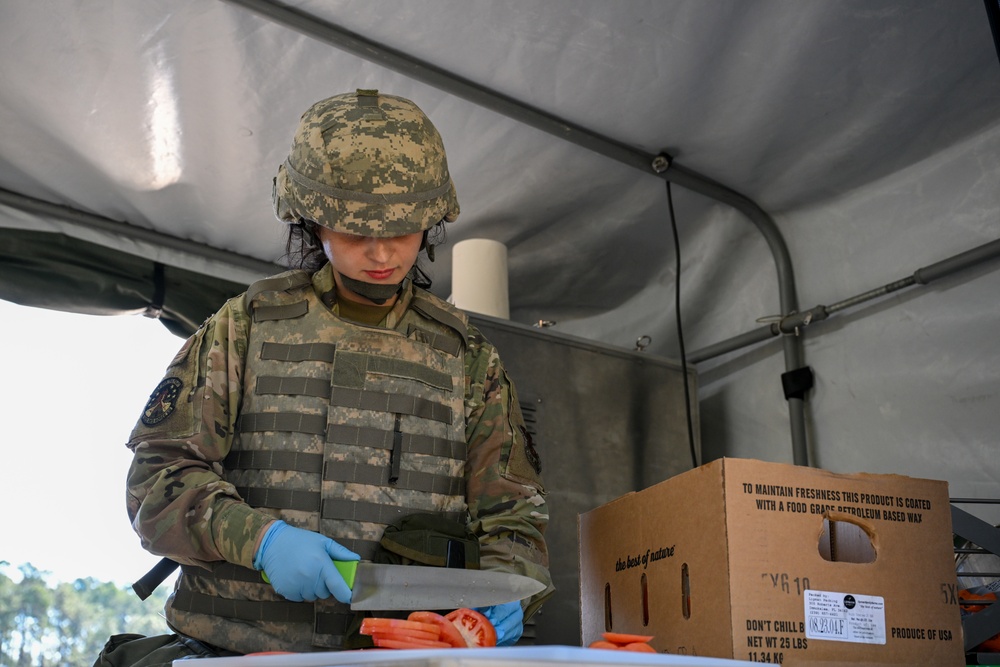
x=505, y=492
x=177, y=500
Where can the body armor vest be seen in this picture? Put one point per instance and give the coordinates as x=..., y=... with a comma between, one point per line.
x=343, y=429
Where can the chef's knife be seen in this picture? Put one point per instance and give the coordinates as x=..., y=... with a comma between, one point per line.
x=378, y=586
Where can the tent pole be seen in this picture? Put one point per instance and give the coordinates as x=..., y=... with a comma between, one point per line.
x=362, y=47
x=58, y=212
x=797, y=321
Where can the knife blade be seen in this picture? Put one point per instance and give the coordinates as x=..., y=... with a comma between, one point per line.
x=378, y=586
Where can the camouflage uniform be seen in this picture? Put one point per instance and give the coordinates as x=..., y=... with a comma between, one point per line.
x=194, y=433
x=277, y=408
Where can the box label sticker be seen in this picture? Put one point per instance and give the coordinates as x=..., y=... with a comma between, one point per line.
x=845, y=617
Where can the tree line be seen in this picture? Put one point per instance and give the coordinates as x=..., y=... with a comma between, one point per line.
x=67, y=624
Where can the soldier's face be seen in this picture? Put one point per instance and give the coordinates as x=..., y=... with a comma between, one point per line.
x=371, y=260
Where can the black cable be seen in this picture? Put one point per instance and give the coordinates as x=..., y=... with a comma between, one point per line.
x=680, y=329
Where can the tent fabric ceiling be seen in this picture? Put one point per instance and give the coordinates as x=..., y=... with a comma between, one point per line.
x=867, y=128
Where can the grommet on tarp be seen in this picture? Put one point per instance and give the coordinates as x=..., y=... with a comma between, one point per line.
x=797, y=382
x=155, y=308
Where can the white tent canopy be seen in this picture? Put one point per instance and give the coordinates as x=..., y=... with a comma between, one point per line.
x=820, y=150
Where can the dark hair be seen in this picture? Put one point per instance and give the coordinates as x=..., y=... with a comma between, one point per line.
x=302, y=247
x=304, y=251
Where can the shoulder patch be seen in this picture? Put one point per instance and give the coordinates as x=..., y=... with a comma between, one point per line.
x=162, y=402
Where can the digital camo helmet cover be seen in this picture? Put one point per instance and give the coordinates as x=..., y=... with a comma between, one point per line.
x=367, y=164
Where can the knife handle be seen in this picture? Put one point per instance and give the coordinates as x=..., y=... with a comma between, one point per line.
x=348, y=569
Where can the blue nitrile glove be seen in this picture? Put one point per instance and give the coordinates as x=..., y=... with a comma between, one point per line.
x=299, y=563
x=508, y=619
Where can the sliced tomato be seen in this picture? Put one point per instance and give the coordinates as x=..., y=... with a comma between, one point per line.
x=639, y=647
x=449, y=633
x=603, y=644
x=401, y=633
x=373, y=625
x=475, y=628
x=393, y=642
x=622, y=638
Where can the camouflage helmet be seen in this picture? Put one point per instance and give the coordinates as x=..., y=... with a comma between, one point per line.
x=367, y=164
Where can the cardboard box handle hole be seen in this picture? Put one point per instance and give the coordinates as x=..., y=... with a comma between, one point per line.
x=843, y=541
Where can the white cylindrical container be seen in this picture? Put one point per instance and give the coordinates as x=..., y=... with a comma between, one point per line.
x=479, y=277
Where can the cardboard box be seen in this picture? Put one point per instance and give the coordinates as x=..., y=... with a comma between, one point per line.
x=735, y=560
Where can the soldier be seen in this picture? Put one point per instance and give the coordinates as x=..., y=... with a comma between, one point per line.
x=307, y=413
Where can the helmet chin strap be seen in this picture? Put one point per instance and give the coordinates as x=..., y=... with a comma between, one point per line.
x=374, y=292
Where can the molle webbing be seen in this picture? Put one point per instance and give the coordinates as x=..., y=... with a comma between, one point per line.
x=439, y=342
x=356, y=510
x=332, y=508
x=319, y=378
x=352, y=367
x=264, y=459
x=224, y=570
x=382, y=439
x=359, y=364
x=286, y=312
x=294, y=386
x=343, y=471
x=284, y=422
x=298, y=352
x=276, y=611
x=244, y=610
x=400, y=404
x=346, y=471
x=377, y=401
x=328, y=623
x=280, y=499
x=364, y=436
x=296, y=422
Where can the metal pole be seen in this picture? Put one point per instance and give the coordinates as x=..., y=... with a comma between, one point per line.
x=124, y=229
x=798, y=321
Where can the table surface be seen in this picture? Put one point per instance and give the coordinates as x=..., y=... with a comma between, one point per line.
x=483, y=657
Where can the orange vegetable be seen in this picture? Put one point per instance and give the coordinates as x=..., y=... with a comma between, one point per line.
x=622, y=638
x=639, y=647
x=622, y=641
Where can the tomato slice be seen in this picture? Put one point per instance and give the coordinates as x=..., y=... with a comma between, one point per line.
x=449, y=633
x=401, y=633
x=603, y=644
x=622, y=638
x=373, y=625
x=475, y=628
x=394, y=642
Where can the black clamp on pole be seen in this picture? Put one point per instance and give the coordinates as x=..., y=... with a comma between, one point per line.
x=797, y=382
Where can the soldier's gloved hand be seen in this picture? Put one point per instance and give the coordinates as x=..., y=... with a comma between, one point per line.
x=299, y=564
x=508, y=619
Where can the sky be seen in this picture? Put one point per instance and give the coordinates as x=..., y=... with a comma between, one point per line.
x=71, y=389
